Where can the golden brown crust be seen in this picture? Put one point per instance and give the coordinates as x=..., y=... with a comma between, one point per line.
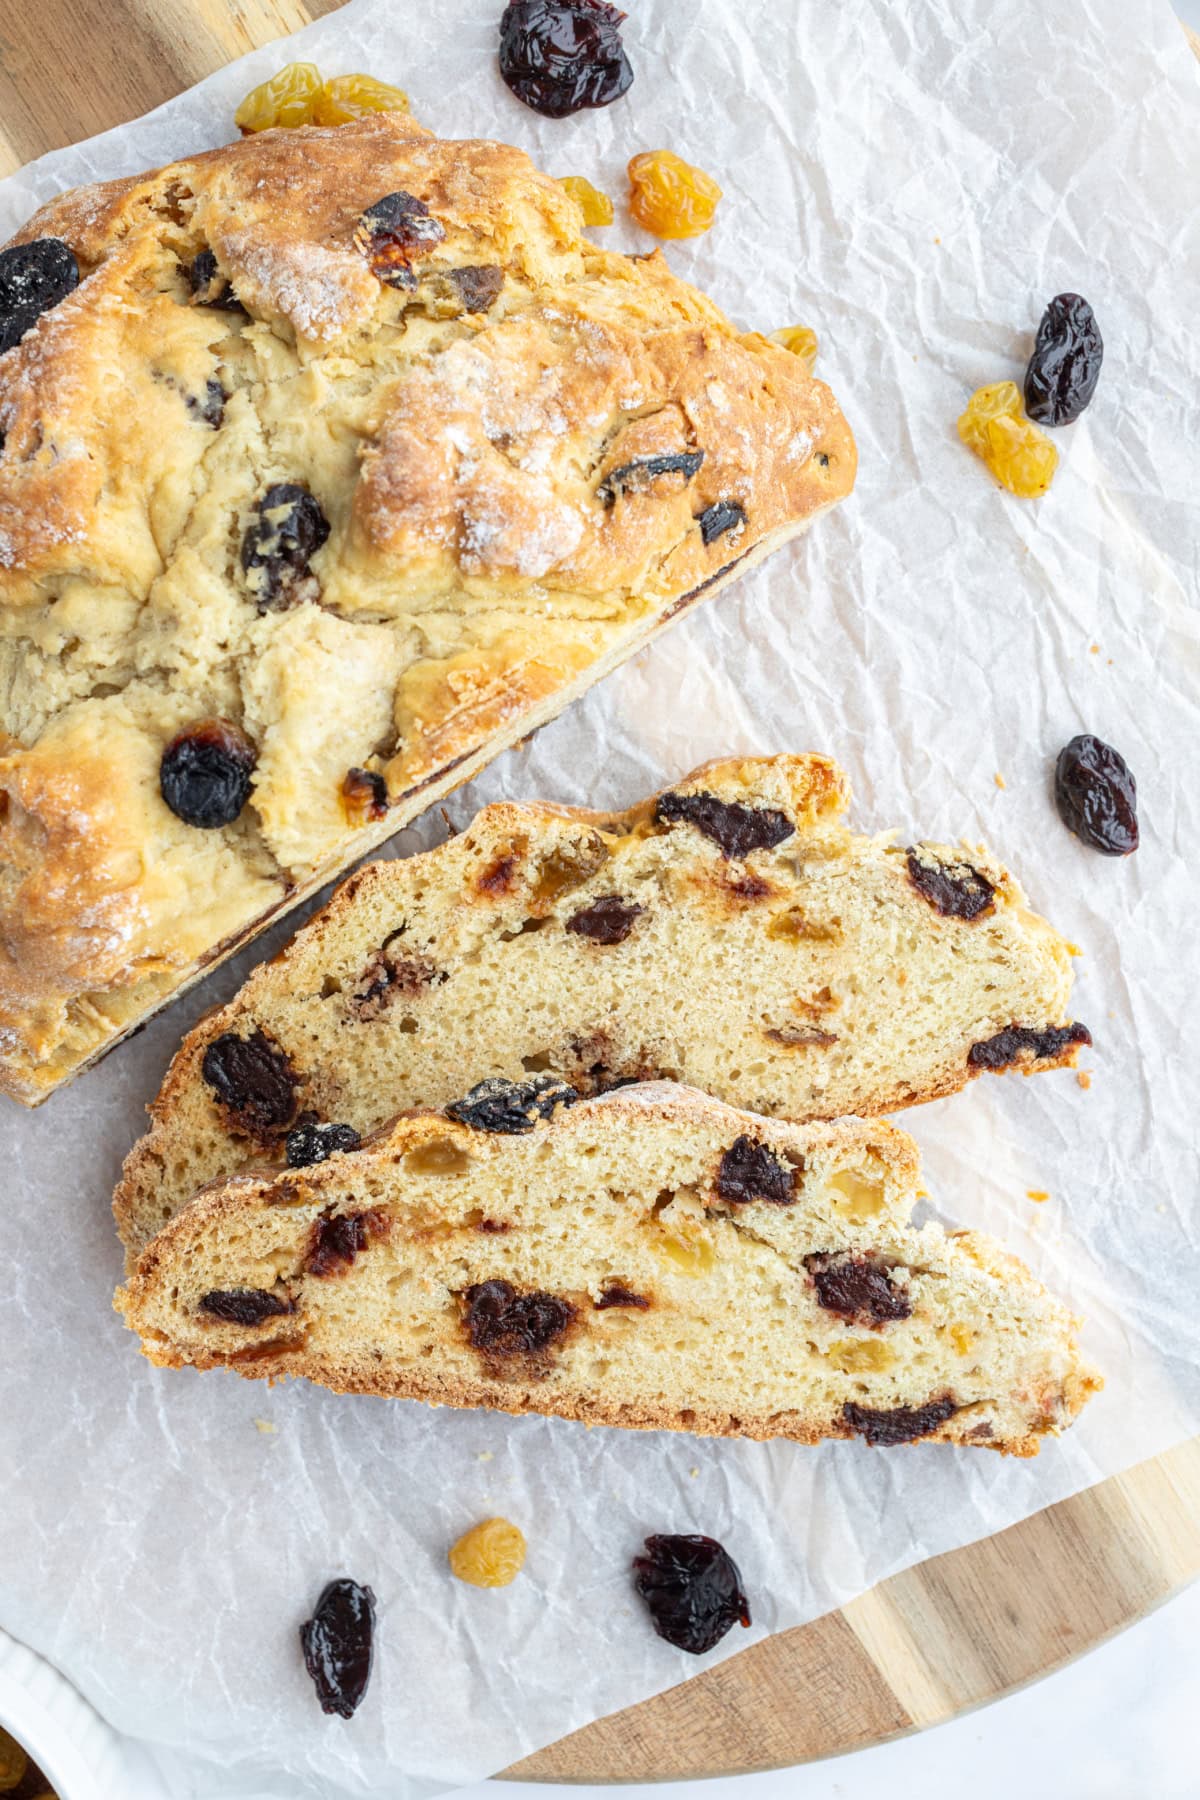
x=474, y=579
x=594, y=1409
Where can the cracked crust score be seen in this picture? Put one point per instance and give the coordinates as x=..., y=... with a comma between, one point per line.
x=474, y=578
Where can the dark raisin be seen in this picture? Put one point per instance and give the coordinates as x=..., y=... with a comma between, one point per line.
x=364, y=795
x=898, y=1424
x=693, y=1589
x=208, y=287
x=858, y=1289
x=501, y=1322
x=747, y=888
x=1047, y=1043
x=600, y=1080
x=279, y=544
x=719, y=518
x=956, y=890
x=202, y=272
x=254, y=1081
x=311, y=1143
x=1065, y=365
x=559, y=56
x=614, y=1294
x=1096, y=795
x=509, y=1106
x=338, y=1642
x=210, y=408
x=749, y=1171
x=205, y=772
x=608, y=920
x=392, y=231
x=385, y=977
x=478, y=286
x=737, y=829
x=33, y=278
x=336, y=1240
x=645, y=469
x=245, y=1306
x=497, y=878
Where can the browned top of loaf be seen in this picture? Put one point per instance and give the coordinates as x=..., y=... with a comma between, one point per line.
x=476, y=574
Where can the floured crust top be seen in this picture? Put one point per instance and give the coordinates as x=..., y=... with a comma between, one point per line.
x=477, y=571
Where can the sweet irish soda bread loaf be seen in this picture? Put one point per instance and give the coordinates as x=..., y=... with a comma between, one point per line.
x=333, y=461
x=731, y=933
x=647, y=1258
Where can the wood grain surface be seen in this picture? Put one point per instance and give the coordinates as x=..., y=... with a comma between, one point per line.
x=951, y=1634
x=948, y=1635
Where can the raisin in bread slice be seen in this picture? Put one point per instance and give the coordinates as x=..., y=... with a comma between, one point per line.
x=649, y=1258
x=347, y=463
x=730, y=933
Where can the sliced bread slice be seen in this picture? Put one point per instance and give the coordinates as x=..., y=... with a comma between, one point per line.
x=730, y=933
x=650, y=1258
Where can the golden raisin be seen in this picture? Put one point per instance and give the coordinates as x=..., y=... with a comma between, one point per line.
x=364, y=796
x=490, y=1555
x=691, y=1255
x=855, y=1195
x=801, y=340
x=597, y=208
x=13, y=1763
x=860, y=1356
x=288, y=98
x=346, y=97
x=564, y=870
x=1019, y=455
x=793, y=926
x=437, y=1157
x=670, y=197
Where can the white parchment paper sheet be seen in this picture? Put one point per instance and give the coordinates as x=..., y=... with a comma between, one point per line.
x=915, y=182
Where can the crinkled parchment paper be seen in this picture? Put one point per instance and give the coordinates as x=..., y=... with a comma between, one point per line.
x=914, y=182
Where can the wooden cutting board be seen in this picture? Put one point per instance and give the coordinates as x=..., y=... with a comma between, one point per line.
x=954, y=1632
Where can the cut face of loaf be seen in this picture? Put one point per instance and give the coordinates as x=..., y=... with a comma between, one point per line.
x=649, y=1258
x=348, y=462
x=730, y=933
